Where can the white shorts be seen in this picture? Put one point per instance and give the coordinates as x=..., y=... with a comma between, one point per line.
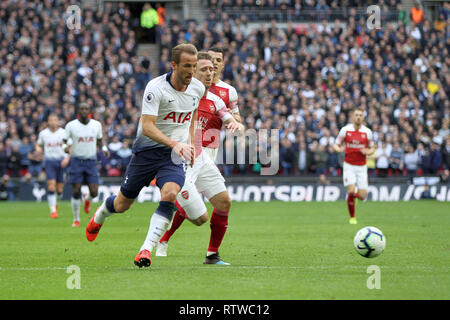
x=355, y=175
x=204, y=178
x=211, y=152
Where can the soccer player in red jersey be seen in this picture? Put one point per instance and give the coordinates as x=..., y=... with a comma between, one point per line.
x=204, y=178
x=357, y=142
x=225, y=92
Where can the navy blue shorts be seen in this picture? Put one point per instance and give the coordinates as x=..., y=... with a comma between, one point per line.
x=147, y=165
x=83, y=171
x=54, y=171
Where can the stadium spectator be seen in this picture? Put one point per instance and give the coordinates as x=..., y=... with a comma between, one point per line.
x=35, y=167
x=417, y=14
x=320, y=158
x=382, y=156
x=287, y=154
x=3, y=160
x=287, y=77
x=124, y=154
x=426, y=194
x=411, y=161
x=303, y=158
x=161, y=14
x=4, y=188
x=446, y=153
x=396, y=158
x=14, y=162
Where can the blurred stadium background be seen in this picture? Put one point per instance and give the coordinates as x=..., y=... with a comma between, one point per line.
x=298, y=66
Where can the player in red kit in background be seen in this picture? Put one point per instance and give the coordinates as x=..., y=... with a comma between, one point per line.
x=225, y=92
x=357, y=142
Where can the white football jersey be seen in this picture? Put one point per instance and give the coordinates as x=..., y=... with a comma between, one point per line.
x=52, y=143
x=84, y=138
x=174, y=110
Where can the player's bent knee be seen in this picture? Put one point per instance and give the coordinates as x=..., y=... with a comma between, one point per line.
x=224, y=204
x=170, y=196
x=201, y=220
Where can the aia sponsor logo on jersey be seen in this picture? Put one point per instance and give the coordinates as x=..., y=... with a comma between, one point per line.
x=185, y=194
x=181, y=118
x=85, y=139
x=53, y=144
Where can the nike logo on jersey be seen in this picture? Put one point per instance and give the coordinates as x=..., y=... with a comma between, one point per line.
x=171, y=100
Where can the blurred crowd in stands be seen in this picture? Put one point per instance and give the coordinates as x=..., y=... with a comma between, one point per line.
x=300, y=78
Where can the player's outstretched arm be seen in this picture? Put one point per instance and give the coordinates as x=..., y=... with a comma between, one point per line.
x=237, y=117
x=233, y=125
x=149, y=129
x=192, y=126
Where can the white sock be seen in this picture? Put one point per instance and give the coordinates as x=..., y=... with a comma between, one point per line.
x=158, y=225
x=209, y=253
x=76, y=203
x=51, y=198
x=101, y=214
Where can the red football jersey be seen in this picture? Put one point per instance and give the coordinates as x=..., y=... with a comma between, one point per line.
x=211, y=113
x=227, y=93
x=355, y=140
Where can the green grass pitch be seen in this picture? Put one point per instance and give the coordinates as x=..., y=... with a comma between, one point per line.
x=277, y=250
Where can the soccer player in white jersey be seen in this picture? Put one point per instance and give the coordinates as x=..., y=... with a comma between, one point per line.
x=50, y=142
x=204, y=177
x=357, y=142
x=164, y=139
x=86, y=136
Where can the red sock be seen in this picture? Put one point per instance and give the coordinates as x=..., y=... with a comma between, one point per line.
x=351, y=204
x=218, y=224
x=178, y=219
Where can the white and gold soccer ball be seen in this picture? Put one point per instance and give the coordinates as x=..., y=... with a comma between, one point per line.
x=369, y=242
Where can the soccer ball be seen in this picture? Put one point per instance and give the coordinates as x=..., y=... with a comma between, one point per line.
x=369, y=242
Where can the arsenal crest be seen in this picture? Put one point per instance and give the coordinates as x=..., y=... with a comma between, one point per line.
x=185, y=194
x=223, y=94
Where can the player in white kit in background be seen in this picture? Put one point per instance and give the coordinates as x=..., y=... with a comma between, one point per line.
x=86, y=136
x=50, y=142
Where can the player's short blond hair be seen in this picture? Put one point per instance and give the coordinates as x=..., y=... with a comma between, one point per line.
x=179, y=49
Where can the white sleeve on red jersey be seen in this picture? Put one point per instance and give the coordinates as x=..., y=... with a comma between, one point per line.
x=233, y=102
x=221, y=108
x=341, y=136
